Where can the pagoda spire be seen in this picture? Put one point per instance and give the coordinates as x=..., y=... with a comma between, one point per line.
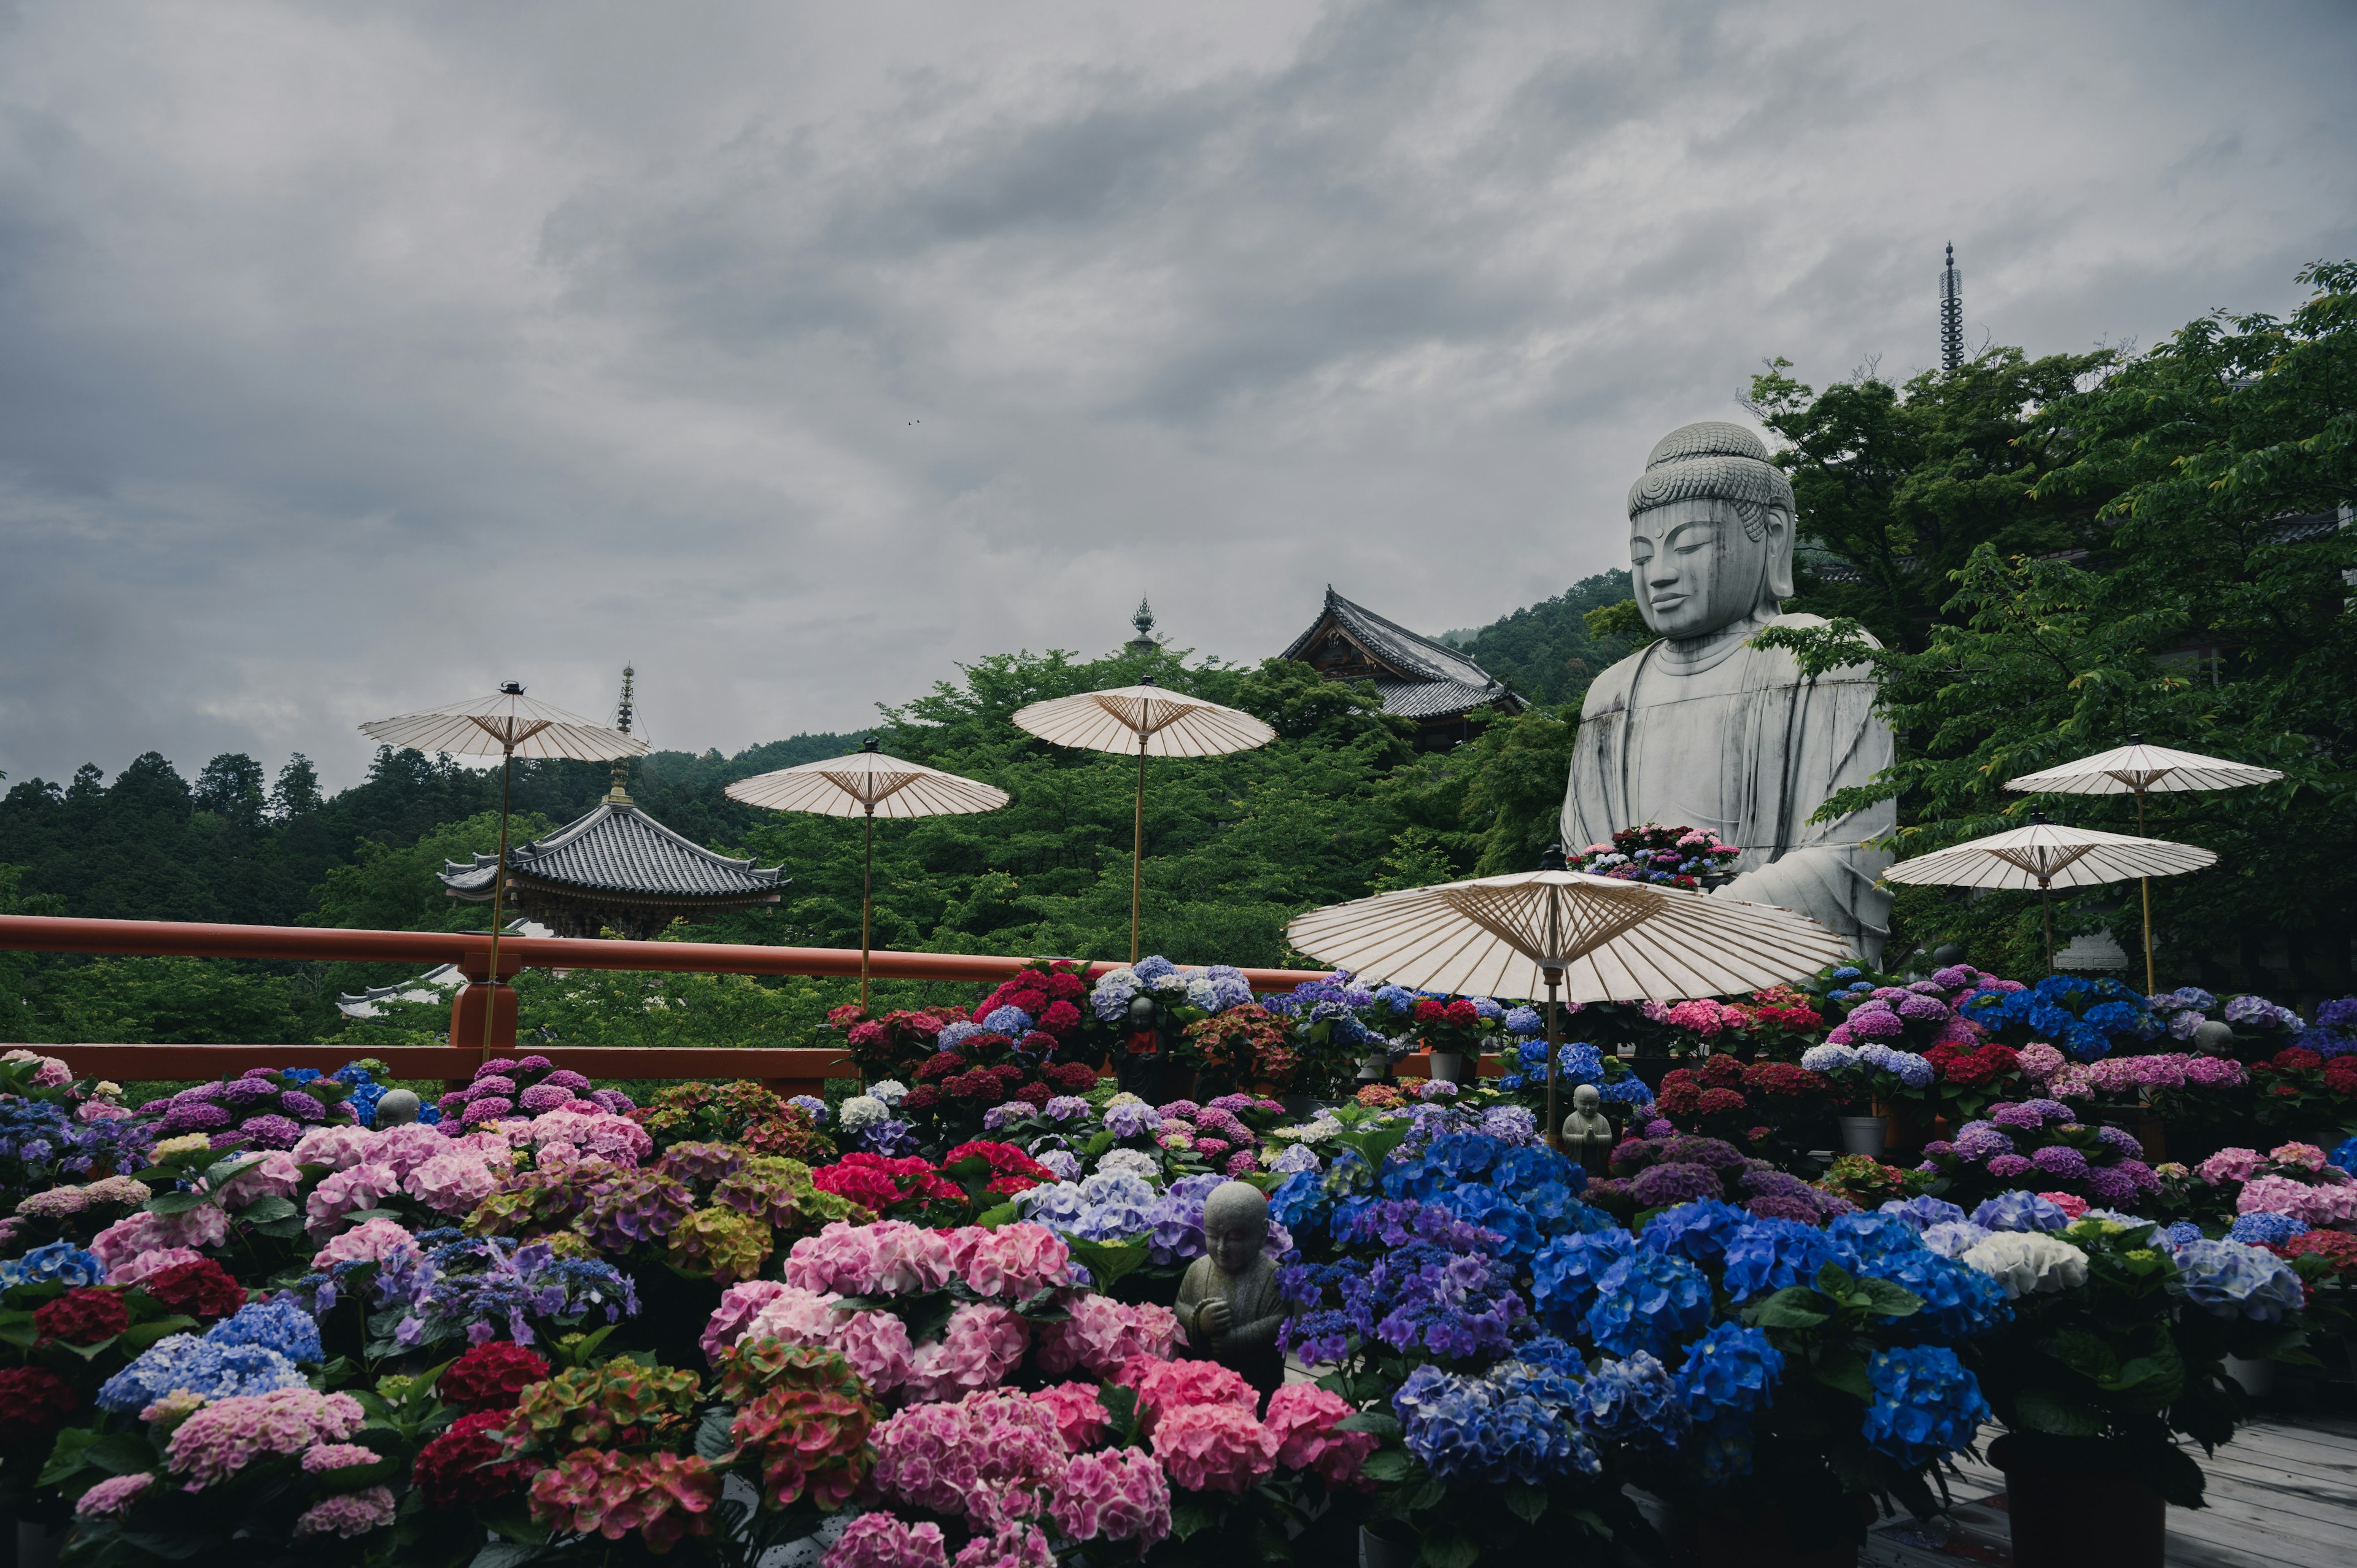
x=1952, y=314
x=1143, y=643
x=624, y=712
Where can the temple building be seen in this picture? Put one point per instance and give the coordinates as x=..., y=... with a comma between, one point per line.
x=1449, y=697
x=616, y=869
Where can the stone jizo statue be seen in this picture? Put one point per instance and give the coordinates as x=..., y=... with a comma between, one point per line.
x=1227, y=1302
x=1587, y=1135
x=1700, y=728
x=395, y=1108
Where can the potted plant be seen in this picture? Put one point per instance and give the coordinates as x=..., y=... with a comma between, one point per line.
x=1456, y=1032
x=1876, y=1073
x=2118, y=1346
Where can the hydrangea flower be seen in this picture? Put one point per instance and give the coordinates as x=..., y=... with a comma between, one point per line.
x=2020, y=1211
x=1730, y=1370
x=1925, y=1403
x=2229, y=1279
x=2029, y=1263
x=1648, y=1301
x=1632, y=1400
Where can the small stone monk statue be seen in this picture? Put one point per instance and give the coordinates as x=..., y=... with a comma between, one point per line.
x=395, y=1108
x=1228, y=1302
x=1587, y=1134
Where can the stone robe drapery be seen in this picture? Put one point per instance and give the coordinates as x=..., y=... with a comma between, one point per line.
x=1747, y=748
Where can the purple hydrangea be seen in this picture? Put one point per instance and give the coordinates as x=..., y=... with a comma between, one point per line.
x=2020, y=1211
x=2109, y=1186
x=248, y=1091
x=302, y=1107
x=2010, y=1168
x=1980, y=1140
x=1923, y=1009
x=2120, y=1140
x=495, y=1083
x=1662, y=1185
x=543, y=1097
x=2061, y=1161
x=1872, y=1021
x=271, y=1130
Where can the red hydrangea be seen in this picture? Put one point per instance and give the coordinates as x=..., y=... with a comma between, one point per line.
x=2293, y=1058
x=461, y=1466
x=81, y=1316
x=1719, y=1102
x=2336, y=1247
x=34, y=1402
x=1721, y=1072
x=1072, y=1077
x=201, y=1289
x=492, y=1376
x=1680, y=1093
x=2340, y=1074
x=1971, y=1068
x=1783, y=1077
x=1005, y=1161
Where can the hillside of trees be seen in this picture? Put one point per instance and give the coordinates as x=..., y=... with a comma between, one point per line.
x=2052, y=555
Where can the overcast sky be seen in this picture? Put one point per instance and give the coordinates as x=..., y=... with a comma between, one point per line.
x=354, y=358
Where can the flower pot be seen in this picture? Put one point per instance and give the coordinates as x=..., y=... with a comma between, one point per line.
x=1448, y=1065
x=2069, y=1516
x=2153, y=1134
x=2258, y=1378
x=1755, y=1537
x=1382, y=1552
x=1865, y=1135
x=1374, y=1067
x=37, y=1545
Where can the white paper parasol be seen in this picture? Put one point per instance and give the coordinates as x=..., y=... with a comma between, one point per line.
x=867, y=784
x=1153, y=723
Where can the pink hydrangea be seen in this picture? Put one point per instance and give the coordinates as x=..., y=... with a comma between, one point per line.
x=1118, y=1494
x=370, y=1242
x=1079, y=1416
x=228, y=1434
x=1014, y=1261
x=203, y=1226
x=337, y=1456
x=101, y=1111
x=1011, y=1545
x=1165, y=1386
x=876, y=1344
x=891, y=1257
x=1704, y=1016
x=2040, y=1061
x=881, y=1541
x=739, y=1304
x=113, y=1497
x=451, y=1183
x=345, y=1193
x=50, y=1072
x=591, y=1131
x=2229, y=1165
x=1214, y=1447
x=406, y=1147
x=2074, y=1081
x=156, y=1260
x=277, y=1176
x=2306, y=1157
x=2215, y=1072
x=339, y=1148
x=347, y=1514
x=1102, y=1336
x=2070, y=1203
x=2273, y=1195
x=980, y=1346
x=986, y=1457
x=1304, y=1417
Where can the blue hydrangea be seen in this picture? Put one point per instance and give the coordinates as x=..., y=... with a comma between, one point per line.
x=1149, y=970
x=213, y=1372
x=1847, y=971
x=1492, y=1429
x=2020, y=1211
x=1772, y=1254
x=59, y=1262
x=2260, y=1230
x=1632, y=1400
x=1132, y=1121
x=812, y=1105
x=1730, y=1370
x=278, y=1324
x=1399, y=998
x=1565, y=1273
x=1525, y=1022
x=1874, y=1237
x=1012, y=1021
x=1959, y=1301
x=1648, y=1301
x=2345, y=1155
x=2228, y=1279
x=1829, y=1058
x=1925, y=1403
x=1923, y=1211
x=2175, y=1236
x=1696, y=1231
x=955, y=1034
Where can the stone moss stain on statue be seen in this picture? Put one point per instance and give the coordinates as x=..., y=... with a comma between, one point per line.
x=1703, y=728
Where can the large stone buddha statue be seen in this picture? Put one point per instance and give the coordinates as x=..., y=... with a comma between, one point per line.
x=1702, y=729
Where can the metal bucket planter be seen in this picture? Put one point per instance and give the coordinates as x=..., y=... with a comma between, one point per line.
x=2068, y=1514
x=1448, y=1066
x=1386, y=1552
x=1865, y=1135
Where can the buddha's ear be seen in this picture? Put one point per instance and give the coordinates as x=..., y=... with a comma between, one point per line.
x=1780, y=553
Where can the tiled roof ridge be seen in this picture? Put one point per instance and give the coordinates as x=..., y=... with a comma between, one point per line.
x=607, y=829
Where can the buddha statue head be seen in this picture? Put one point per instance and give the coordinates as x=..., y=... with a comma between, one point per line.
x=1235, y=1226
x=1710, y=532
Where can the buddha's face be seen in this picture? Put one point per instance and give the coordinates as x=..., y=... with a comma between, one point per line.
x=1586, y=1099
x=1694, y=568
x=1233, y=1240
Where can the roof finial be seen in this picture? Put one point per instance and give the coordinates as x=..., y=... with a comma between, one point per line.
x=1952, y=314
x=624, y=711
x=1143, y=643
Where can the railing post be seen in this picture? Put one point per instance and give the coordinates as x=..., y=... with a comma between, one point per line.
x=466, y=1006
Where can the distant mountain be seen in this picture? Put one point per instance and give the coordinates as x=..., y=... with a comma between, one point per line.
x=1544, y=650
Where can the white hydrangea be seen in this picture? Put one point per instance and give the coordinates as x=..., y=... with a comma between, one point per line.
x=888, y=1093
x=1137, y=1162
x=862, y=1111
x=2028, y=1263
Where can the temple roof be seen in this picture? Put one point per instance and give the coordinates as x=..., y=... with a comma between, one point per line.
x=618, y=849
x=1417, y=676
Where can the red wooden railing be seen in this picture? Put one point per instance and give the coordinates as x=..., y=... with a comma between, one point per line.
x=789, y=1071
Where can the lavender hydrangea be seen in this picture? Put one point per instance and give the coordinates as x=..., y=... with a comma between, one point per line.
x=2020, y=1211
x=2229, y=1279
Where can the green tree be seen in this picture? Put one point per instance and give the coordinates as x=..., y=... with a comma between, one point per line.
x=390, y=889
x=1549, y=651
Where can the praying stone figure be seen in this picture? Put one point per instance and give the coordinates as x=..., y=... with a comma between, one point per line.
x=1702, y=729
x=1227, y=1302
x=395, y=1108
x=1587, y=1136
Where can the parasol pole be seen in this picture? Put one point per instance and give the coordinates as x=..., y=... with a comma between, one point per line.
x=2046, y=907
x=2146, y=883
x=1553, y=860
x=866, y=899
x=1138, y=846
x=498, y=886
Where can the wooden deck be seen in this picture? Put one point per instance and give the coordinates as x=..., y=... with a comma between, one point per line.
x=2283, y=1493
